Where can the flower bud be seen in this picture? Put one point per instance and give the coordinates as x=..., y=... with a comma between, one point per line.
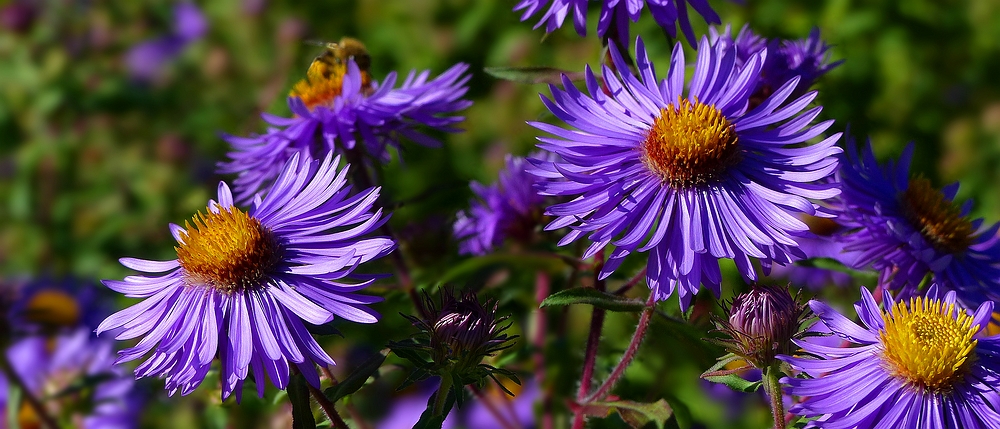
x=761, y=324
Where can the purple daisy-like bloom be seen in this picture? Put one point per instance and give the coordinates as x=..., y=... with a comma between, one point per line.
x=919, y=363
x=690, y=175
x=616, y=14
x=246, y=284
x=75, y=361
x=907, y=230
x=339, y=104
x=806, y=59
x=49, y=304
x=511, y=208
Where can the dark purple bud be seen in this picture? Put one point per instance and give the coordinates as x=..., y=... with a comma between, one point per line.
x=761, y=324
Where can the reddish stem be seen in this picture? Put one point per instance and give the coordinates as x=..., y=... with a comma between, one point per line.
x=542, y=287
x=590, y=356
x=633, y=348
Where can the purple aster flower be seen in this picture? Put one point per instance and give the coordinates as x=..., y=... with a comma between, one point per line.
x=246, y=284
x=616, y=14
x=74, y=373
x=806, y=59
x=145, y=60
x=56, y=304
x=510, y=208
x=919, y=363
x=690, y=175
x=339, y=104
x=907, y=230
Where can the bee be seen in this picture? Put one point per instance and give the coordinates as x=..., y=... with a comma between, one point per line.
x=337, y=54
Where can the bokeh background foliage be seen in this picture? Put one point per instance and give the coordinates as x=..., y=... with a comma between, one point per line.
x=94, y=162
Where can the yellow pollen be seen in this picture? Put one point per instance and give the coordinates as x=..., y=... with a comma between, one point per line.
x=229, y=251
x=928, y=344
x=938, y=219
x=690, y=144
x=324, y=82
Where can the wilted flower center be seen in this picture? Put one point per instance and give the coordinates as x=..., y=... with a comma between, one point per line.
x=324, y=82
x=229, y=251
x=939, y=220
x=928, y=344
x=690, y=144
x=53, y=307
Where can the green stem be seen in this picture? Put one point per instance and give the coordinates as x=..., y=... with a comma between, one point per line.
x=441, y=397
x=773, y=389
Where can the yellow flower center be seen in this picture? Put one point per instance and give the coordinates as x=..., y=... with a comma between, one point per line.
x=690, y=144
x=928, y=344
x=938, y=219
x=53, y=308
x=229, y=251
x=325, y=80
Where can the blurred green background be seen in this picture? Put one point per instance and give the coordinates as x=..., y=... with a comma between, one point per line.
x=94, y=162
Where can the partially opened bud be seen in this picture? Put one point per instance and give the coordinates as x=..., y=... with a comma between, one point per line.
x=762, y=323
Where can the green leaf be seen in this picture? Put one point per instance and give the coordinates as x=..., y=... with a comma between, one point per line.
x=409, y=353
x=532, y=74
x=639, y=414
x=735, y=382
x=430, y=421
x=323, y=330
x=719, y=374
x=298, y=395
x=586, y=295
x=357, y=378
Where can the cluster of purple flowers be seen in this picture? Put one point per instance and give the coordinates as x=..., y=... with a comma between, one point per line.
x=54, y=354
x=724, y=160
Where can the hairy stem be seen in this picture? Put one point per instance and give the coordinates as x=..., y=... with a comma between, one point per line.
x=590, y=355
x=542, y=287
x=633, y=348
x=35, y=404
x=773, y=389
x=441, y=397
x=328, y=408
x=351, y=409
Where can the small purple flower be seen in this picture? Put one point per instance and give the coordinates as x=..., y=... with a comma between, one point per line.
x=616, y=14
x=50, y=305
x=337, y=108
x=907, y=230
x=246, y=284
x=919, y=363
x=145, y=61
x=806, y=59
x=74, y=362
x=511, y=208
x=688, y=174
